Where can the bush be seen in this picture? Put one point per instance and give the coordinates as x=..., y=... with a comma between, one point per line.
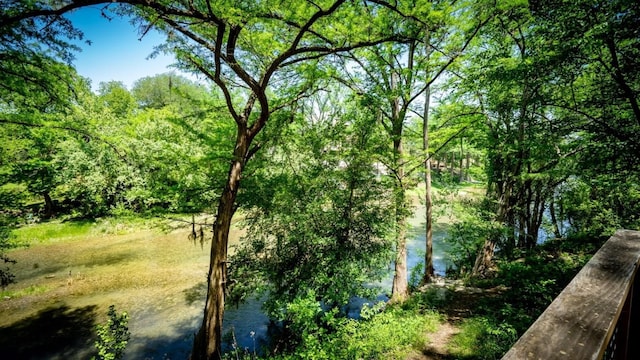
x=482, y=338
x=113, y=336
x=388, y=334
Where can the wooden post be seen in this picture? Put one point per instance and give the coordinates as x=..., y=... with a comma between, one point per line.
x=586, y=320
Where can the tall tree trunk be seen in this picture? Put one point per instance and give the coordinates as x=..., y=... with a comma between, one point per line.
x=208, y=341
x=400, y=287
x=428, y=202
x=536, y=215
x=461, y=177
x=484, y=260
x=451, y=162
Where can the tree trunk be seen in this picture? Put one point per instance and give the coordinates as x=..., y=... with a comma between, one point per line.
x=451, y=162
x=504, y=215
x=485, y=258
x=208, y=340
x=428, y=202
x=461, y=174
x=400, y=287
x=48, y=205
x=467, y=174
x=619, y=78
x=554, y=220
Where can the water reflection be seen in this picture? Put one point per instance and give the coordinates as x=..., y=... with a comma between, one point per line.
x=249, y=324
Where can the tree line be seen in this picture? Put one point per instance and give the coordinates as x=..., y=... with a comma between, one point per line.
x=318, y=119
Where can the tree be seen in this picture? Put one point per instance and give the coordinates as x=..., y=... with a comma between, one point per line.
x=508, y=79
x=167, y=89
x=287, y=37
x=249, y=47
x=34, y=59
x=51, y=150
x=117, y=98
x=428, y=199
x=394, y=76
x=181, y=158
x=319, y=220
x=594, y=58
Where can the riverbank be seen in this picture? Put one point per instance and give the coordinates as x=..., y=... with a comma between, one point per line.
x=71, y=272
x=153, y=269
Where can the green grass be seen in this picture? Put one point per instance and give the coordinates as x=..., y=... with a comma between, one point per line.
x=467, y=343
x=18, y=293
x=51, y=231
x=482, y=338
x=392, y=334
x=61, y=230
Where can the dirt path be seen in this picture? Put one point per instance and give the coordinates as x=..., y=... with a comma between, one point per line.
x=459, y=304
x=439, y=342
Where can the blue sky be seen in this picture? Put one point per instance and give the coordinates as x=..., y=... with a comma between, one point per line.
x=115, y=53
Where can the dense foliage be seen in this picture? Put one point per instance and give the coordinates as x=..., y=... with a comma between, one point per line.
x=311, y=124
x=113, y=336
x=110, y=153
x=318, y=221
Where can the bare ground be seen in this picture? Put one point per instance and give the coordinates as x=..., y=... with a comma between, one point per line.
x=439, y=341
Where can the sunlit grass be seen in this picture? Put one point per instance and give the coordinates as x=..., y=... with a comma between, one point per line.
x=62, y=230
x=395, y=333
x=467, y=342
x=18, y=293
x=392, y=334
x=482, y=338
x=51, y=231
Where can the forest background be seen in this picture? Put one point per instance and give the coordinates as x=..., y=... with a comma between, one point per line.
x=317, y=124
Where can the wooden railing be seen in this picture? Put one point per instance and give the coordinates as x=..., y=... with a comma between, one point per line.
x=597, y=316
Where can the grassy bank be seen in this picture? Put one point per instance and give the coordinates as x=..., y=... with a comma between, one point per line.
x=70, y=272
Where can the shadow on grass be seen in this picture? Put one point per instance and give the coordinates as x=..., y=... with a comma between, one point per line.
x=53, y=333
x=177, y=346
x=196, y=293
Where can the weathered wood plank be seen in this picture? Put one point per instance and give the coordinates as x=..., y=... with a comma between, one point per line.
x=580, y=321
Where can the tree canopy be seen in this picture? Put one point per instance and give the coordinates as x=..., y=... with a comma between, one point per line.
x=310, y=118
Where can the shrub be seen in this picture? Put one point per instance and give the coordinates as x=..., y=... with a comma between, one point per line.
x=113, y=336
x=482, y=338
x=389, y=334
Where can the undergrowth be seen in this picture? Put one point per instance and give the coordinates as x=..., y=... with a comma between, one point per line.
x=391, y=334
x=530, y=284
x=382, y=332
x=482, y=338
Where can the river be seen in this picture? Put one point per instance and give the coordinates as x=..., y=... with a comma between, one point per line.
x=65, y=285
x=250, y=325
